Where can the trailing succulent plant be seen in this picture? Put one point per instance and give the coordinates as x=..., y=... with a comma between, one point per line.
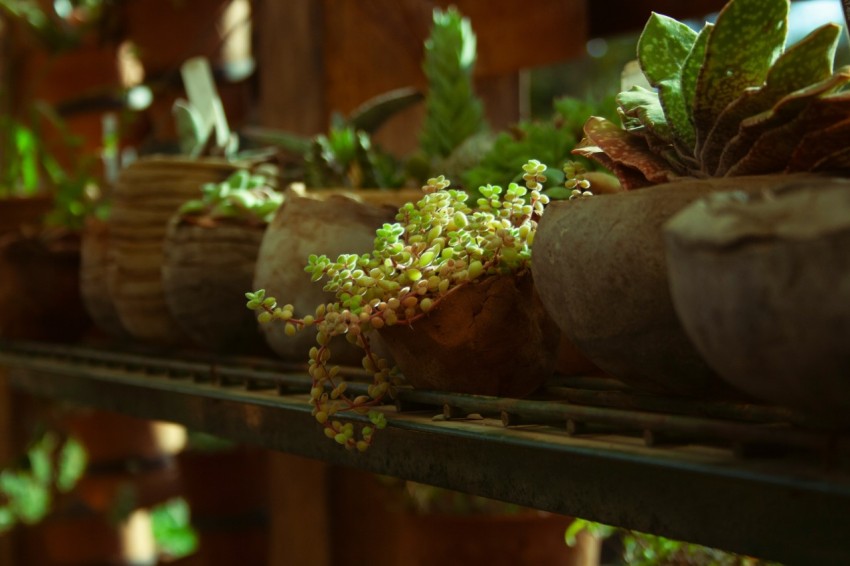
x=728, y=101
x=244, y=196
x=436, y=246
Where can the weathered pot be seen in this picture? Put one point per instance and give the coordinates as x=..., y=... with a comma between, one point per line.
x=94, y=266
x=599, y=266
x=317, y=222
x=762, y=286
x=147, y=194
x=206, y=271
x=492, y=337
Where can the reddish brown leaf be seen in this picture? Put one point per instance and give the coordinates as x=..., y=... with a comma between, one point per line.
x=815, y=148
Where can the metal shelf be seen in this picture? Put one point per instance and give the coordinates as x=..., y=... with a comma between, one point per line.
x=730, y=475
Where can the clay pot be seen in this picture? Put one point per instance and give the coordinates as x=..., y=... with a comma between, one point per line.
x=23, y=213
x=599, y=266
x=206, y=271
x=330, y=222
x=94, y=266
x=492, y=337
x=762, y=286
x=147, y=194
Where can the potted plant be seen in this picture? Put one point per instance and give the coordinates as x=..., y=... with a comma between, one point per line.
x=729, y=109
x=209, y=256
x=423, y=288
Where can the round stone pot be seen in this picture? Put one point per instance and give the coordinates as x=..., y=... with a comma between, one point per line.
x=762, y=286
x=206, y=271
x=329, y=222
x=599, y=266
x=491, y=337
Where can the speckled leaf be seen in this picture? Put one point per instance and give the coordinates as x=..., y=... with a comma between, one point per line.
x=662, y=47
x=816, y=148
x=684, y=129
x=807, y=62
x=772, y=151
x=784, y=110
x=625, y=149
x=747, y=38
x=628, y=177
x=643, y=105
x=838, y=162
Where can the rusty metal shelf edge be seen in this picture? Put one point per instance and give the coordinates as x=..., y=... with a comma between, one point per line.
x=793, y=516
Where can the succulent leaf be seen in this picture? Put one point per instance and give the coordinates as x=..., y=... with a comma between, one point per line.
x=641, y=108
x=812, y=152
x=807, y=62
x=784, y=110
x=625, y=148
x=773, y=150
x=747, y=38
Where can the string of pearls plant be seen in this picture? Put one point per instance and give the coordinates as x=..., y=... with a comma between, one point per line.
x=436, y=246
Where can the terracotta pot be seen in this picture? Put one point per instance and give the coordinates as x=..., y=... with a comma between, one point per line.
x=23, y=213
x=39, y=287
x=147, y=194
x=492, y=337
x=762, y=286
x=206, y=272
x=94, y=266
x=599, y=265
x=330, y=222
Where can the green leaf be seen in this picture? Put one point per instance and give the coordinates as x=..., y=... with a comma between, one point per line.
x=747, y=38
x=807, y=62
x=785, y=110
x=644, y=105
x=690, y=73
x=662, y=47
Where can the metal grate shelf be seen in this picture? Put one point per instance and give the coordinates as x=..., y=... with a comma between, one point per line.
x=733, y=475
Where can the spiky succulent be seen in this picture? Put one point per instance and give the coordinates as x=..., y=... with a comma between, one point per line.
x=728, y=101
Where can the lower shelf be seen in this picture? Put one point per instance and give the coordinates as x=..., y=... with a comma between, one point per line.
x=731, y=476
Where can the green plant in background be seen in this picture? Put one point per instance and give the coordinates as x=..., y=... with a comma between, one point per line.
x=64, y=26
x=728, y=101
x=245, y=195
x=29, y=166
x=550, y=140
x=436, y=246
x=453, y=113
x=641, y=549
x=26, y=489
x=172, y=529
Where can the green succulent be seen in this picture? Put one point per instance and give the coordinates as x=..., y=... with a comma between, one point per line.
x=728, y=100
x=436, y=246
x=243, y=195
x=453, y=112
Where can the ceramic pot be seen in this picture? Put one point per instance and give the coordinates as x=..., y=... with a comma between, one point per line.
x=206, y=271
x=329, y=222
x=599, y=266
x=491, y=337
x=762, y=286
x=147, y=194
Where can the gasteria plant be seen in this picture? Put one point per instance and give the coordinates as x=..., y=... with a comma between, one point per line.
x=436, y=246
x=728, y=101
x=244, y=195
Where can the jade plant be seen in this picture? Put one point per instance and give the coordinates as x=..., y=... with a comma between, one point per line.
x=729, y=100
x=437, y=246
x=245, y=196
